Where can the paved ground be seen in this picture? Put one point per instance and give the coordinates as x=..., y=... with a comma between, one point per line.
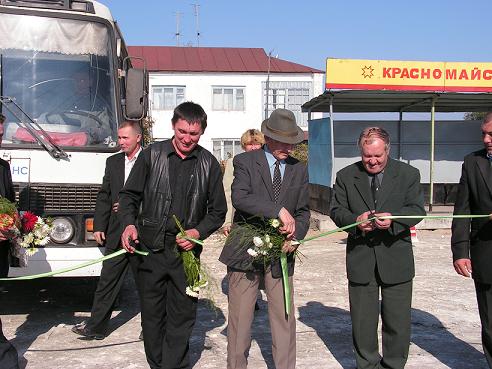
x=38, y=315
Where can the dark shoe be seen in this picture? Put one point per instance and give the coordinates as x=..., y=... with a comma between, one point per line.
x=140, y=337
x=82, y=330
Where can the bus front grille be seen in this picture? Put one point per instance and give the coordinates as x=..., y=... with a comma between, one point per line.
x=43, y=198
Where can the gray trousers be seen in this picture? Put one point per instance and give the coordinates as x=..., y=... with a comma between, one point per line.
x=243, y=290
x=396, y=301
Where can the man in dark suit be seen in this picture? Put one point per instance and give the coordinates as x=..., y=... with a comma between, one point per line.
x=174, y=178
x=471, y=240
x=379, y=252
x=8, y=353
x=267, y=183
x=107, y=232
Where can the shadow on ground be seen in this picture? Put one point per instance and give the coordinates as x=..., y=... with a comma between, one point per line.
x=333, y=327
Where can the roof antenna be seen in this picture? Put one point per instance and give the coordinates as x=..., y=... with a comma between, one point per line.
x=196, y=7
x=267, y=84
x=178, y=33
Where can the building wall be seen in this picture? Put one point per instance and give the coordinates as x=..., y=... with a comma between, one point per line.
x=223, y=124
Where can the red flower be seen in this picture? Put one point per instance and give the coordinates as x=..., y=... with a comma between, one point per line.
x=28, y=221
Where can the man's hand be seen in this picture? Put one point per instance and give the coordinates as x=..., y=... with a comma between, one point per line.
x=130, y=233
x=288, y=223
x=463, y=267
x=366, y=226
x=100, y=237
x=186, y=245
x=382, y=223
x=115, y=207
x=226, y=230
x=288, y=247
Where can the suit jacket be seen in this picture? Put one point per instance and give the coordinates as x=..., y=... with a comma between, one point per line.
x=6, y=186
x=252, y=196
x=105, y=219
x=389, y=250
x=472, y=238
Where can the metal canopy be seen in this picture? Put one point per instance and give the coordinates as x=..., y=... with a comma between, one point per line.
x=369, y=101
x=359, y=101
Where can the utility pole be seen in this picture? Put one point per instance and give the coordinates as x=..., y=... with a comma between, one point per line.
x=196, y=8
x=178, y=33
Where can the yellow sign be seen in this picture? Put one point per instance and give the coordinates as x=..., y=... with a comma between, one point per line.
x=408, y=75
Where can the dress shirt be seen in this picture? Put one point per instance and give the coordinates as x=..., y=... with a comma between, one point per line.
x=271, y=162
x=129, y=163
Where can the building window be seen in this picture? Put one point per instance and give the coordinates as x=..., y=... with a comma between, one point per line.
x=288, y=95
x=167, y=97
x=228, y=98
x=226, y=148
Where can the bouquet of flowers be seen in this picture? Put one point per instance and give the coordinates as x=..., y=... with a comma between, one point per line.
x=263, y=242
x=197, y=276
x=35, y=231
x=27, y=230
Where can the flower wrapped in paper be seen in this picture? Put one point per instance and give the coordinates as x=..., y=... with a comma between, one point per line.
x=197, y=276
x=26, y=230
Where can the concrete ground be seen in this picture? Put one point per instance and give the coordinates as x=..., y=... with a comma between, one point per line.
x=37, y=316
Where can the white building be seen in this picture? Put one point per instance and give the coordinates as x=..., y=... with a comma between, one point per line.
x=230, y=84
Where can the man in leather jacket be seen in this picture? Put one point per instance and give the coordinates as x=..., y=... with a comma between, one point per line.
x=173, y=177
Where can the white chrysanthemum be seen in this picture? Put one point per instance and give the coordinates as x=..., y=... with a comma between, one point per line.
x=264, y=252
x=252, y=252
x=28, y=239
x=43, y=241
x=31, y=251
x=258, y=241
x=190, y=292
x=275, y=223
x=267, y=239
x=270, y=245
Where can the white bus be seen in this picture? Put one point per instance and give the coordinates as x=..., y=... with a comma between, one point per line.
x=65, y=84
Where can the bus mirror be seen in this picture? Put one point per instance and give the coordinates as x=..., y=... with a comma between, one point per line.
x=136, y=89
x=136, y=94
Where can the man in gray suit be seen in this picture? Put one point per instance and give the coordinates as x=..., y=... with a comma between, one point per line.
x=379, y=252
x=269, y=184
x=471, y=240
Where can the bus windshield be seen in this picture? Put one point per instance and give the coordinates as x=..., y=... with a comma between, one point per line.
x=59, y=72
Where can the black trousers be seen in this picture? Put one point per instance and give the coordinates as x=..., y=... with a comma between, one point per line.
x=4, y=258
x=168, y=314
x=396, y=301
x=484, y=300
x=112, y=276
x=8, y=353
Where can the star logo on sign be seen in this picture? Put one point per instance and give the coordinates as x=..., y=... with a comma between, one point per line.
x=367, y=71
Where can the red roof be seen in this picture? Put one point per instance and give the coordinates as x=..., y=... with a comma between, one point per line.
x=213, y=59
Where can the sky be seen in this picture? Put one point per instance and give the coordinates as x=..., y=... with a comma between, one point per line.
x=307, y=32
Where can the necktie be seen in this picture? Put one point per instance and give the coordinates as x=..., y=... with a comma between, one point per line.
x=375, y=188
x=277, y=181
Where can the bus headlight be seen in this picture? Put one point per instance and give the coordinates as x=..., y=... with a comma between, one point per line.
x=63, y=230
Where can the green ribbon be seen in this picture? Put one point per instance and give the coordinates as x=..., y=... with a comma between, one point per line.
x=285, y=280
x=75, y=267
x=458, y=216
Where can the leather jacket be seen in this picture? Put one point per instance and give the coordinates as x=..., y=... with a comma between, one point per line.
x=153, y=203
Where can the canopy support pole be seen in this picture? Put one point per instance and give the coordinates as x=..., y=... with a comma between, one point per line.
x=332, y=143
x=399, y=134
x=431, y=168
